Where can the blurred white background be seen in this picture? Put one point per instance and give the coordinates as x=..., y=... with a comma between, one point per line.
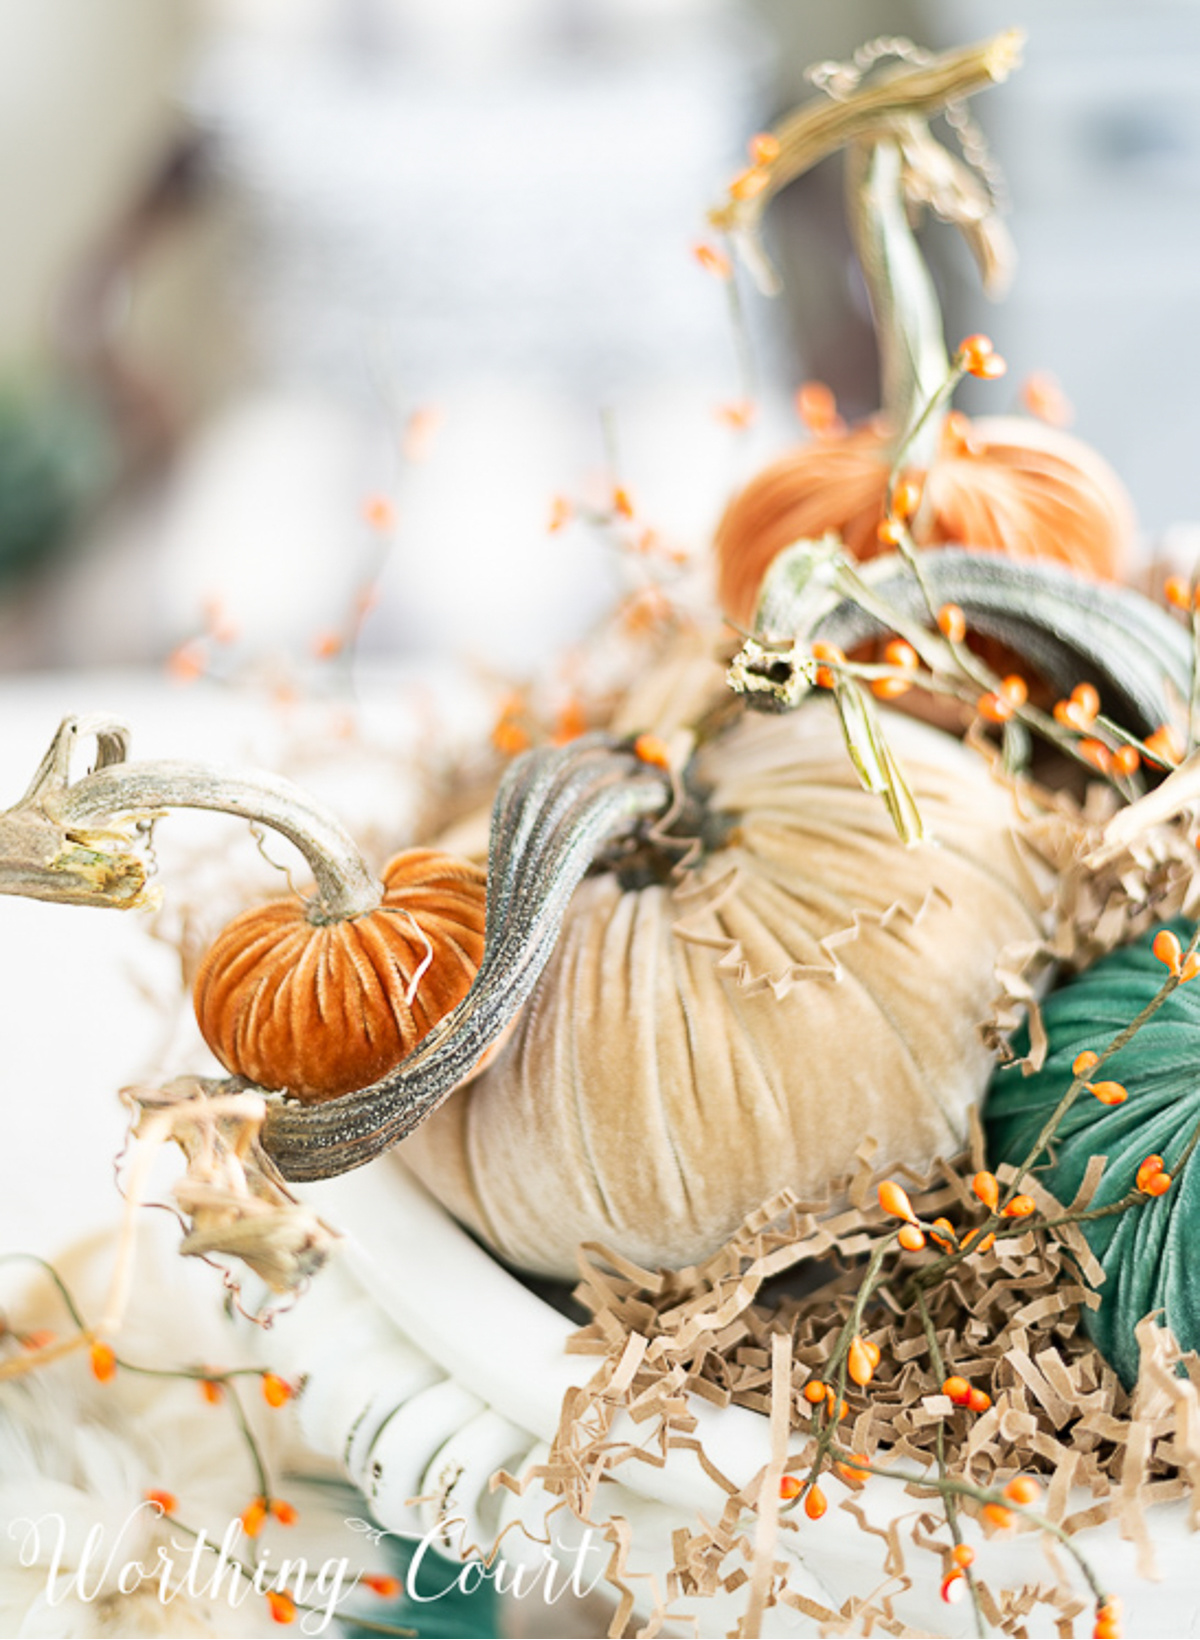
x=248, y=240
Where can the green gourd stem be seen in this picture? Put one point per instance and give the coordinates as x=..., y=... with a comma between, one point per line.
x=556, y=811
x=1067, y=628
x=70, y=841
x=914, y=368
x=346, y=887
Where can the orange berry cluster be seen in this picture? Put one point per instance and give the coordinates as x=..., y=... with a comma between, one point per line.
x=903, y=656
x=1169, y=952
x=1108, y=1093
x=817, y=409
x=999, y=705
x=962, y=1394
x=977, y=356
x=1151, y=1178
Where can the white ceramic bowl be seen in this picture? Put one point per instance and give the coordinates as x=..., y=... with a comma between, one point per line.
x=429, y=1367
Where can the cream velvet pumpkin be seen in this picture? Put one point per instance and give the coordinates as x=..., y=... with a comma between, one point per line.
x=809, y=983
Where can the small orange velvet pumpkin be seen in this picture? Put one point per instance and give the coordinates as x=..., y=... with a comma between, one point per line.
x=324, y=1008
x=1004, y=483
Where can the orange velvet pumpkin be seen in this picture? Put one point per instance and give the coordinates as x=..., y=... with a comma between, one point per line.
x=1002, y=483
x=320, y=1009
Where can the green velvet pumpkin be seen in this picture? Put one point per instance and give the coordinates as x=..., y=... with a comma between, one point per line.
x=1143, y=1250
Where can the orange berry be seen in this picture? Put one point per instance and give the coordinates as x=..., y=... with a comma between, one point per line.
x=1086, y=698
x=979, y=358
x=166, y=1501
x=1043, y=397
x=621, y=504
x=890, y=688
x=1023, y=1489
x=1015, y=689
x=748, y=184
x=713, y=261
x=327, y=644
x=650, y=749
x=1191, y=967
x=817, y=407
x=211, y=1391
x=1165, y=746
x=104, y=1361
x=790, y=1487
x=895, y=1201
x=764, y=148
x=1020, y=1207
x=859, y=1364
x=998, y=1515
x=890, y=532
x=906, y=498
x=814, y=1503
x=954, y=1586
x=187, y=662
x=1178, y=592
x=1084, y=1061
x=1068, y=713
x=827, y=652
x=1147, y=1170
x=378, y=1583
x=963, y=1555
x=853, y=1477
x=1096, y=753
x=942, y=1232
x=283, y=1607
x=995, y=708
x=952, y=623
x=570, y=723
x=1158, y=1184
x=509, y=737
x=899, y=653
x=285, y=1513
x=1167, y=949
x=978, y=1400
x=561, y=513
x=1125, y=761
x=1106, y=1631
x=976, y=346
x=254, y=1517
x=379, y=513
x=739, y=413
x=814, y=1391
x=1109, y=1609
x=833, y=1405
x=1108, y=1093
x=910, y=1238
x=958, y=1390
x=987, y=1188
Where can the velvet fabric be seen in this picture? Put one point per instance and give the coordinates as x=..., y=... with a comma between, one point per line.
x=806, y=985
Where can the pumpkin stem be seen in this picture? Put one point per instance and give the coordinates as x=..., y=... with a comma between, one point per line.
x=70, y=842
x=1065, y=627
x=913, y=362
x=894, y=164
x=557, y=809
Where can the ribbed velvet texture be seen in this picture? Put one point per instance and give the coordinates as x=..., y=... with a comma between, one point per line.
x=1144, y=1250
x=810, y=983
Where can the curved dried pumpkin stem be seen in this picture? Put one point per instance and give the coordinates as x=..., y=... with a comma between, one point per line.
x=1068, y=628
x=556, y=810
x=70, y=842
x=894, y=163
